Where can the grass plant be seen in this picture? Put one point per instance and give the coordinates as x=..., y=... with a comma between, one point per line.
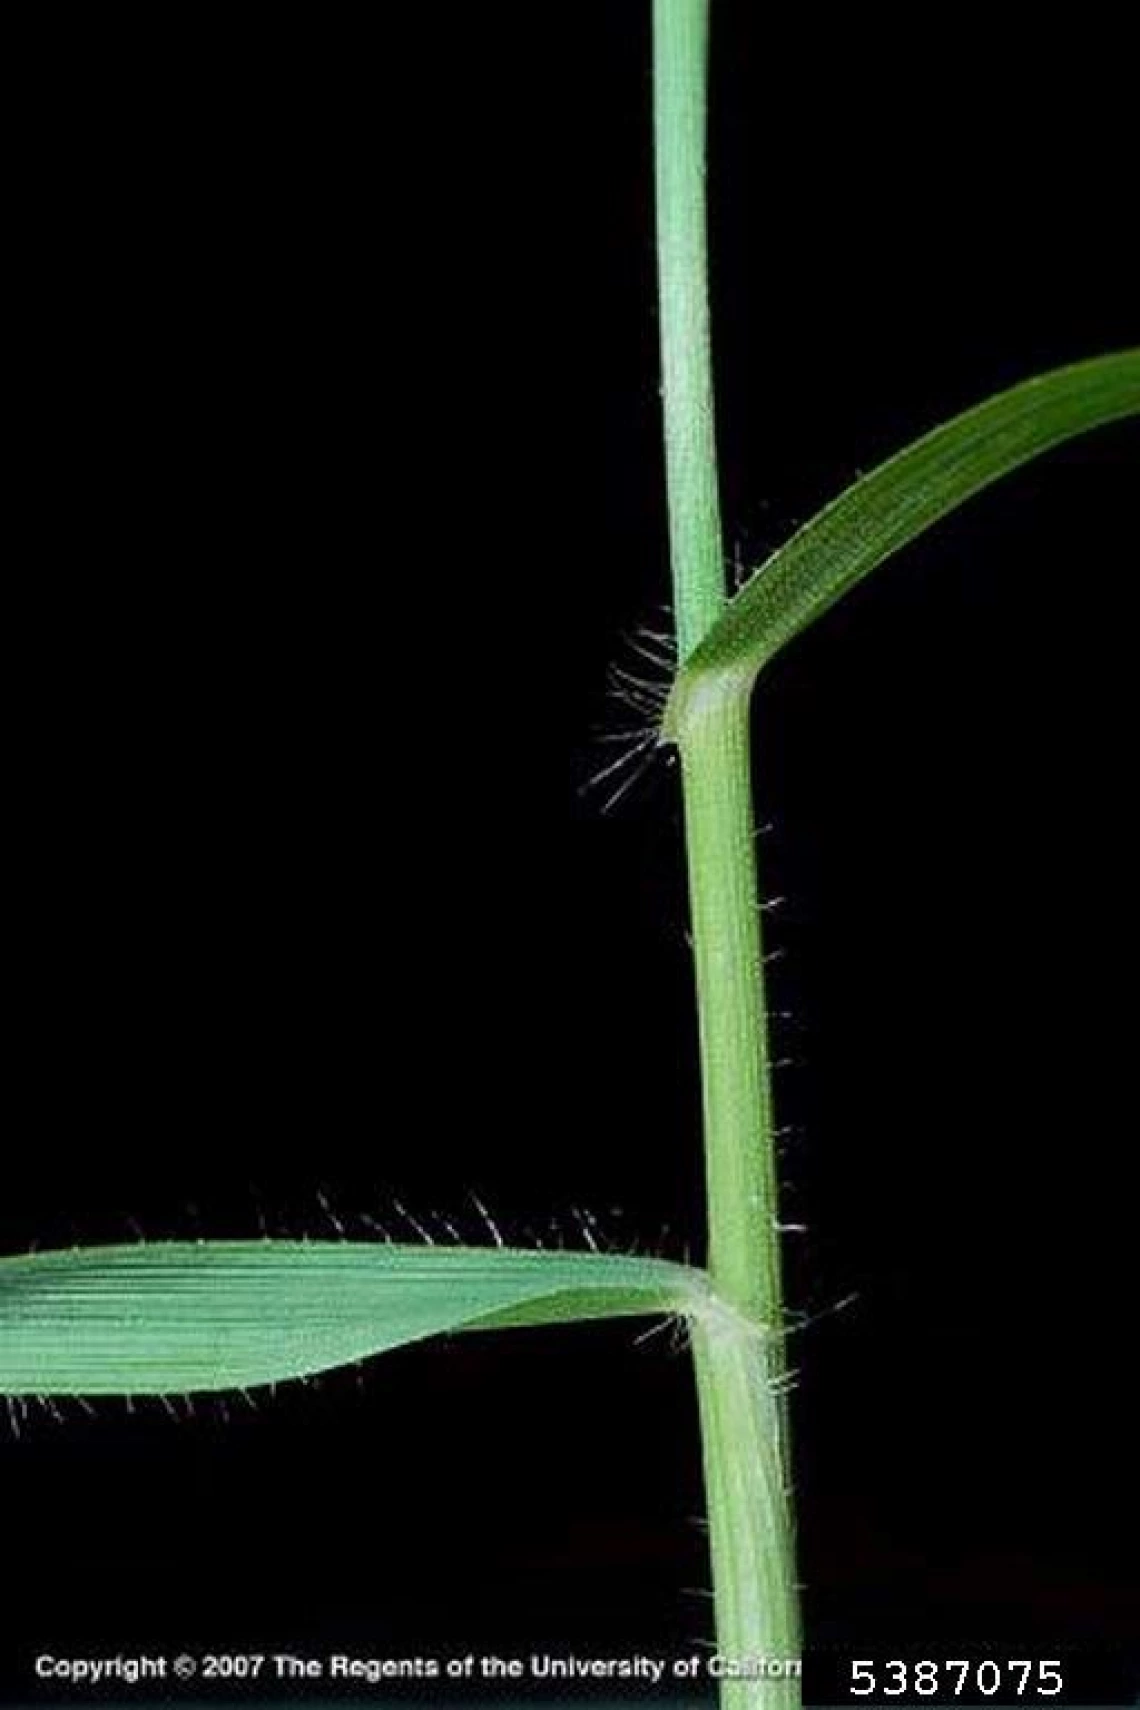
x=178, y=1318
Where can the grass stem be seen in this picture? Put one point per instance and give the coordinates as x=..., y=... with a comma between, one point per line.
x=740, y=1362
x=680, y=56
x=742, y=1426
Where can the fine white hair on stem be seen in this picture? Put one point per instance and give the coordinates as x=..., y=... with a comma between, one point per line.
x=326, y=1205
x=492, y=1226
x=737, y=567
x=618, y=776
x=412, y=1222
x=448, y=1228
x=803, y=1320
x=655, y=647
x=586, y=1224
x=674, y=1327
x=375, y=1227
x=638, y=683
x=644, y=676
x=786, y=1382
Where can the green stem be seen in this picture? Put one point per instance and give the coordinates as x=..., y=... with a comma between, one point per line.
x=744, y=1258
x=738, y=1351
x=742, y=1424
x=680, y=43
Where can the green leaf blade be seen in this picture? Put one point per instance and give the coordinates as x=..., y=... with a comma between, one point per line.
x=887, y=509
x=180, y=1318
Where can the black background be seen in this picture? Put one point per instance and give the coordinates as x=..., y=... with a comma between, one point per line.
x=340, y=457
